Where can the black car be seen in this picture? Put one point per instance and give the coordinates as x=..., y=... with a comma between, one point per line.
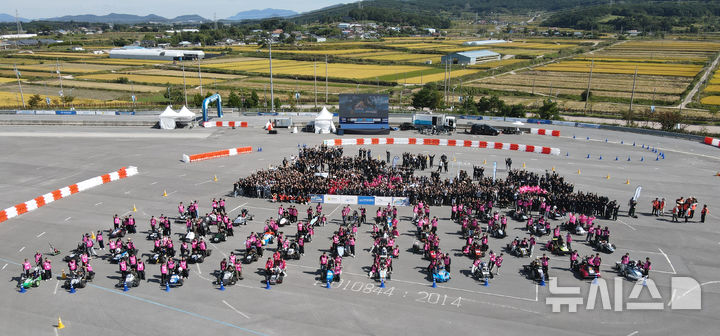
x=406, y=126
x=309, y=127
x=483, y=129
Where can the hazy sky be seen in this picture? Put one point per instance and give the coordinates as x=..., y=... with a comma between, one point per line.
x=34, y=9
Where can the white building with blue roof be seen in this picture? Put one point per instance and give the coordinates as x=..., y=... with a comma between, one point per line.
x=470, y=57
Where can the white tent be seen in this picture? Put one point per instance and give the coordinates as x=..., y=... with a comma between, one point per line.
x=185, y=115
x=167, y=118
x=324, y=122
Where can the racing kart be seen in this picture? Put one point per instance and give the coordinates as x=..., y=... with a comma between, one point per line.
x=218, y=237
x=292, y=251
x=559, y=247
x=175, y=280
x=32, y=281
x=117, y=233
x=226, y=277
x=632, y=271
x=197, y=258
x=498, y=233
x=119, y=255
x=586, y=271
x=483, y=272
x=131, y=279
x=538, y=230
x=276, y=276
x=242, y=218
x=519, y=216
x=604, y=246
x=440, y=274
x=518, y=251
x=535, y=271
x=250, y=256
x=76, y=281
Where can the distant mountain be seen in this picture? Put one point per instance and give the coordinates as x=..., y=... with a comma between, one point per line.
x=255, y=14
x=11, y=18
x=125, y=18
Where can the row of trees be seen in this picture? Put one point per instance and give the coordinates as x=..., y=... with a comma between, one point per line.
x=430, y=97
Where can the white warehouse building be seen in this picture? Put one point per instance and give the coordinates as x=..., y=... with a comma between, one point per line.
x=156, y=54
x=470, y=57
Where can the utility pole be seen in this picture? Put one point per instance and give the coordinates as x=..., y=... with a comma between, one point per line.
x=57, y=69
x=533, y=87
x=17, y=74
x=632, y=95
x=587, y=93
x=326, y=80
x=315, y=81
x=132, y=88
x=184, y=84
x=272, y=88
x=200, y=77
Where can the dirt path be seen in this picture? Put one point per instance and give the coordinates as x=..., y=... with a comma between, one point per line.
x=702, y=80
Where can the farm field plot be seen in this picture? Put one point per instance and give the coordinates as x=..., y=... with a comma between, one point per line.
x=7, y=80
x=50, y=54
x=69, y=67
x=495, y=64
x=335, y=70
x=103, y=86
x=12, y=99
x=188, y=73
x=711, y=100
x=143, y=78
x=26, y=74
x=437, y=76
x=679, y=70
x=122, y=61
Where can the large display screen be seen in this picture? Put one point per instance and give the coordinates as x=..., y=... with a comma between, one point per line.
x=363, y=109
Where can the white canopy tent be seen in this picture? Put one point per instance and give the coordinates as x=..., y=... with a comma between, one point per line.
x=185, y=115
x=324, y=122
x=167, y=118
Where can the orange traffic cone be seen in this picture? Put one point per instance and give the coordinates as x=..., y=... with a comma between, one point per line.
x=164, y=193
x=60, y=325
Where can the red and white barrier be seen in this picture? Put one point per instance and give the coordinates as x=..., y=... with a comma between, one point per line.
x=214, y=155
x=37, y=202
x=542, y=131
x=225, y=124
x=443, y=142
x=712, y=141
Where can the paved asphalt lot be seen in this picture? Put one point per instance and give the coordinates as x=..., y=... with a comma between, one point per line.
x=36, y=161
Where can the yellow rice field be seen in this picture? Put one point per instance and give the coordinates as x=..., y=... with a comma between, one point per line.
x=144, y=78
x=711, y=100
x=122, y=61
x=681, y=70
x=12, y=99
x=68, y=67
x=7, y=80
x=495, y=64
x=303, y=68
x=712, y=88
x=437, y=77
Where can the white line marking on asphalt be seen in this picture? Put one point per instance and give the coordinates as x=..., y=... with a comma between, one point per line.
x=672, y=297
x=154, y=183
x=223, y=166
x=183, y=175
x=56, y=332
x=252, y=207
x=21, y=249
x=439, y=286
x=536, y=292
x=639, y=251
x=4, y=266
x=237, y=311
x=208, y=181
x=40, y=235
x=221, y=251
x=337, y=207
x=202, y=277
x=628, y=225
x=237, y=207
x=67, y=219
x=633, y=333
x=98, y=203
x=56, y=287
x=198, y=267
x=668, y=260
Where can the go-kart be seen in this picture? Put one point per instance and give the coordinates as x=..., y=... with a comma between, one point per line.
x=538, y=230
x=558, y=247
x=574, y=228
x=242, y=218
x=131, y=279
x=268, y=238
x=535, y=271
x=154, y=258
x=276, y=276
x=518, y=251
x=74, y=254
x=218, y=237
x=226, y=277
x=292, y=251
x=117, y=233
x=586, y=271
x=250, y=256
x=483, y=272
x=315, y=221
x=76, y=281
x=153, y=235
x=440, y=275
x=498, y=233
x=119, y=255
x=32, y=281
x=340, y=250
x=632, y=271
x=604, y=246
x=175, y=280
x=284, y=221
x=519, y=216
x=197, y=258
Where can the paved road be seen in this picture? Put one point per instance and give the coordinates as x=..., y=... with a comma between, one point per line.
x=702, y=81
x=511, y=305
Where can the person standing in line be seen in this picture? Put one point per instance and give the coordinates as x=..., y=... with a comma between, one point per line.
x=703, y=213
